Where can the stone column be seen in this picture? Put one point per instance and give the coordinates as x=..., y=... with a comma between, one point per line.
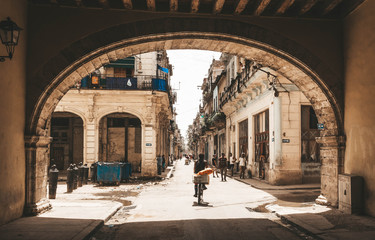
x=91, y=142
x=331, y=155
x=37, y=161
x=149, y=167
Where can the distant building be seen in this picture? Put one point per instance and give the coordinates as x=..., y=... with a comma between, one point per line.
x=253, y=110
x=120, y=113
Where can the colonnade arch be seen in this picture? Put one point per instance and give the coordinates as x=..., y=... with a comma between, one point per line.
x=268, y=48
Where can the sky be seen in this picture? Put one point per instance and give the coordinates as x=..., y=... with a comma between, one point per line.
x=190, y=67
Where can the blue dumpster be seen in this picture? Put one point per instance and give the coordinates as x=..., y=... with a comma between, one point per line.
x=109, y=172
x=126, y=171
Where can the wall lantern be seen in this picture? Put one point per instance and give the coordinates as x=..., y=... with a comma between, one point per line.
x=9, y=35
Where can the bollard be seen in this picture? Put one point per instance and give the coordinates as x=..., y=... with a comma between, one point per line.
x=80, y=175
x=53, y=177
x=159, y=161
x=85, y=173
x=75, y=176
x=93, y=170
x=70, y=179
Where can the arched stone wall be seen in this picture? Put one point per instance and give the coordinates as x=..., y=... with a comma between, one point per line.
x=261, y=45
x=266, y=47
x=134, y=112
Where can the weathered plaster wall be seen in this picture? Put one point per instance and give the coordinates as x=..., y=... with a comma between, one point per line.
x=12, y=118
x=359, y=98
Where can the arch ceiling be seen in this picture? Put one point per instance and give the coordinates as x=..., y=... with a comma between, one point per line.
x=287, y=8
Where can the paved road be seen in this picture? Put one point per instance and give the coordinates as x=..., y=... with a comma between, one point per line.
x=165, y=211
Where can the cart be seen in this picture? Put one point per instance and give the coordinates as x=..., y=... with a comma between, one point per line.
x=200, y=180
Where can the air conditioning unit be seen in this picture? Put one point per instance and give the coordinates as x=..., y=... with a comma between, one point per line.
x=350, y=194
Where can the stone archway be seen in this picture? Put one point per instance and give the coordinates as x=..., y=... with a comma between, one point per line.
x=267, y=48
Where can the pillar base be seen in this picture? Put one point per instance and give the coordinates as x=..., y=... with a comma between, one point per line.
x=37, y=208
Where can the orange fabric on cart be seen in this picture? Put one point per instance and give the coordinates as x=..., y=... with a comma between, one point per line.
x=205, y=171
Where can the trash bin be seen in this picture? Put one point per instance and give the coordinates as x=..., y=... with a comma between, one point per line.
x=75, y=176
x=85, y=173
x=93, y=169
x=80, y=174
x=70, y=179
x=126, y=172
x=53, y=176
x=109, y=172
x=159, y=161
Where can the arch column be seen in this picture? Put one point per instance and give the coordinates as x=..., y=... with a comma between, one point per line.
x=37, y=161
x=332, y=157
x=149, y=167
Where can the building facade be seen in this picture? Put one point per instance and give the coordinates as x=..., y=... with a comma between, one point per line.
x=252, y=110
x=120, y=113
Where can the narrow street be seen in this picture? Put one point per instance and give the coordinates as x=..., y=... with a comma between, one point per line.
x=165, y=211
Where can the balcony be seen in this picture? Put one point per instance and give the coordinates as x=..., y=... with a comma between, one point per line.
x=216, y=120
x=110, y=82
x=242, y=88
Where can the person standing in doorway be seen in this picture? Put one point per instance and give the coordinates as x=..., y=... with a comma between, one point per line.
x=223, y=167
x=232, y=160
x=215, y=166
x=163, y=162
x=242, y=162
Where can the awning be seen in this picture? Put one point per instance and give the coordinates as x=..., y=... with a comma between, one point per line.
x=122, y=63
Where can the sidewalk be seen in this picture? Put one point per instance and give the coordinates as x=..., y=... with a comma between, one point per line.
x=74, y=216
x=320, y=222
x=70, y=220
x=263, y=185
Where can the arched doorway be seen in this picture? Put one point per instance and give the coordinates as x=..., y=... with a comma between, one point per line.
x=268, y=48
x=120, y=139
x=67, y=140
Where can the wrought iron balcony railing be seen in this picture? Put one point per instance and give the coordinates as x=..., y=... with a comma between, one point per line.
x=111, y=82
x=237, y=84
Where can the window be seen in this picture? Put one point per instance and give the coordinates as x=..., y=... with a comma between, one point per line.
x=115, y=122
x=243, y=137
x=60, y=122
x=261, y=132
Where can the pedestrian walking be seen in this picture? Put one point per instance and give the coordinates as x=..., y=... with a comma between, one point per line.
x=215, y=166
x=163, y=162
x=242, y=162
x=223, y=167
x=232, y=160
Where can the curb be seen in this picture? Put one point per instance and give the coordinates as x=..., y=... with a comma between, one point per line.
x=307, y=229
x=86, y=233
x=170, y=174
x=267, y=188
x=93, y=227
x=113, y=211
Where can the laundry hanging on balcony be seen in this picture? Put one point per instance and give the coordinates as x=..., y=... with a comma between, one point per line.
x=159, y=84
x=166, y=70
